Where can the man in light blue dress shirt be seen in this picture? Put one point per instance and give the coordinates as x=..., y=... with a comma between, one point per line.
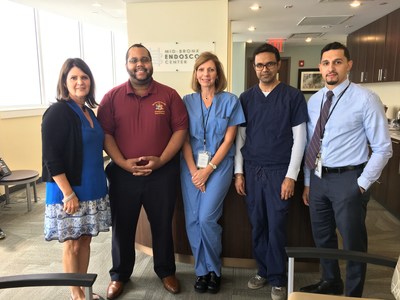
x=339, y=177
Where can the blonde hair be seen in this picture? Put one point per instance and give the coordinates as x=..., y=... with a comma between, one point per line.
x=220, y=81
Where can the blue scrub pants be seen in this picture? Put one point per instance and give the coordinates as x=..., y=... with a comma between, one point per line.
x=202, y=212
x=268, y=216
x=336, y=202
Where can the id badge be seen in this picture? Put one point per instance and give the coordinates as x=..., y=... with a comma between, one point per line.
x=203, y=158
x=318, y=168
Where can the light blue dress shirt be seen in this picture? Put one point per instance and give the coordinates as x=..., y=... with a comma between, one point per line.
x=357, y=120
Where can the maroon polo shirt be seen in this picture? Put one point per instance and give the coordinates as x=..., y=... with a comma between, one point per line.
x=142, y=126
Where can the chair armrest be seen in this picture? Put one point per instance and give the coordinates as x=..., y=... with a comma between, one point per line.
x=47, y=279
x=312, y=252
x=50, y=279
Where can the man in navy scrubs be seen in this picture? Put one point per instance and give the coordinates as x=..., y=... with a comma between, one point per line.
x=270, y=146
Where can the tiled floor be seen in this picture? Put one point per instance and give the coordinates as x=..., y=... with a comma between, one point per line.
x=24, y=251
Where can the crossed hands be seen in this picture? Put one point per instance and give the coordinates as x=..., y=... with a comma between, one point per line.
x=199, y=179
x=142, y=166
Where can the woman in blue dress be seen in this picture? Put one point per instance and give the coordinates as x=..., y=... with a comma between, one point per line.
x=207, y=165
x=77, y=205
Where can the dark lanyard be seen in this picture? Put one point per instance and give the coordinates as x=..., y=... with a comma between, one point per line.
x=322, y=130
x=204, y=124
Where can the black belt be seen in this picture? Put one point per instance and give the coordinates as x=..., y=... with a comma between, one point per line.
x=342, y=169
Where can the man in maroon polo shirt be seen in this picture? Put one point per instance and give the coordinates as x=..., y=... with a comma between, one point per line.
x=145, y=124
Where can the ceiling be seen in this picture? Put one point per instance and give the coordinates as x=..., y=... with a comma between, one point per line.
x=290, y=20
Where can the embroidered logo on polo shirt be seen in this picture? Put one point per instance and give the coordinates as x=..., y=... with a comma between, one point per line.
x=159, y=108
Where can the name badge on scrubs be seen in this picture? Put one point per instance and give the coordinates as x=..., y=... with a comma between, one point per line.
x=203, y=158
x=318, y=167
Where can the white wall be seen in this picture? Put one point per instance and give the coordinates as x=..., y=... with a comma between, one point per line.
x=189, y=21
x=389, y=92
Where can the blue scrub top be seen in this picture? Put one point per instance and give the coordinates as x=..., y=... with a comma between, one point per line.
x=269, y=136
x=225, y=111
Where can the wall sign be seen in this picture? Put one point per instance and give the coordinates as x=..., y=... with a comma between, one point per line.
x=176, y=56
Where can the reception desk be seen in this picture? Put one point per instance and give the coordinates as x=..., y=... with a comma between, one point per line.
x=236, y=236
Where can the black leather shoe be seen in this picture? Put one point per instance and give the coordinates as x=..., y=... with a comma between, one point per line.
x=324, y=287
x=201, y=284
x=214, y=284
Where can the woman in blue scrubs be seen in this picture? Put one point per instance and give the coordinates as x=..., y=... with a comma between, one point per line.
x=207, y=165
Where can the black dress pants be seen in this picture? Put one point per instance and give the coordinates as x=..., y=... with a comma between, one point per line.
x=157, y=194
x=336, y=202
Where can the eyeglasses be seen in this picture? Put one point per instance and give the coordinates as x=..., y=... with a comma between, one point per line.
x=143, y=60
x=268, y=65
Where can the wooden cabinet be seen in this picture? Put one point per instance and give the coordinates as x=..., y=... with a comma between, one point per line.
x=366, y=61
x=380, y=187
x=352, y=44
x=386, y=190
x=393, y=187
x=375, y=50
x=391, y=71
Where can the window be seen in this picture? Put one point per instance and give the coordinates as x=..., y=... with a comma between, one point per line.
x=39, y=42
x=19, y=74
x=120, y=46
x=97, y=53
x=59, y=40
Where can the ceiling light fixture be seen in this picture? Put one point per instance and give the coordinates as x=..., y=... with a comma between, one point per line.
x=255, y=7
x=288, y=6
x=355, y=3
x=251, y=28
x=249, y=41
x=308, y=39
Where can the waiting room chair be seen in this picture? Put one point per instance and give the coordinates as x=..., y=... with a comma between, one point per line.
x=51, y=279
x=310, y=252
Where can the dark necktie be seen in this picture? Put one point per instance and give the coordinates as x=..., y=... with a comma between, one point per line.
x=315, y=143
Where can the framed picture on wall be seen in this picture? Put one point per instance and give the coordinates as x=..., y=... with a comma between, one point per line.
x=310, y=80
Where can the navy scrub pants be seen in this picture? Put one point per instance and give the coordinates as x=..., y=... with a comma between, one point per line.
x=157, y=194
x=268, y=217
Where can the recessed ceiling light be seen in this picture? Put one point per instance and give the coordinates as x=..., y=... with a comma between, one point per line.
x=96, y=4
x=255, y=7
x=308, y=39
x=355, y=3
x=251, y=28
x=249, y=41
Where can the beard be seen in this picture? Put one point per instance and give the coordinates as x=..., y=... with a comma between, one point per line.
x=141, y=79
x=332, y=80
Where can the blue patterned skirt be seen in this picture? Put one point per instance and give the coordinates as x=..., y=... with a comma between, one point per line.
x=93, y=216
